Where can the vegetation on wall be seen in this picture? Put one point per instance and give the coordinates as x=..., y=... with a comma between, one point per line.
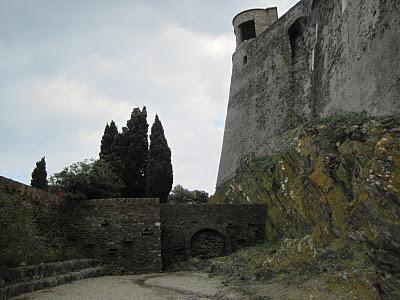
x=39, y=175
x=29, y=230
x=159, y=176
x=181, y=195
x=89, y=179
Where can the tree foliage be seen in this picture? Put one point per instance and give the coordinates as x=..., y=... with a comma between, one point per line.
x=89, y=179
x=159, y=168
x=39, y=175
x=125, y=160
x=107, y=142
x=180, y=195
x=130, y=153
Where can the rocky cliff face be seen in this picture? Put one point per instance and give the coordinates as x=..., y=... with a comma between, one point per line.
x=333, y=205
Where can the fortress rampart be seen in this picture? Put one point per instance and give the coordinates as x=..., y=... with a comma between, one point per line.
x=131, y=235
x=319, y=59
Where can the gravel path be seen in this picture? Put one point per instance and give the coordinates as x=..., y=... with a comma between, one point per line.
x=167, y=286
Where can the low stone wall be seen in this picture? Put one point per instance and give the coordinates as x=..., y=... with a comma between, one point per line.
x=10, y=276
x=209, y=230
x=16, y=281
x=123, y=234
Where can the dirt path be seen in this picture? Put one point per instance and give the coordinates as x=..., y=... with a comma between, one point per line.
x=167, y=286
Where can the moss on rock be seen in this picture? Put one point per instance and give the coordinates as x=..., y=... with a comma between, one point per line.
x=339, y=185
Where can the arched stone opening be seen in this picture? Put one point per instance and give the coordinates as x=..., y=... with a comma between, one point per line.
x=296, y=38
x=207, y=243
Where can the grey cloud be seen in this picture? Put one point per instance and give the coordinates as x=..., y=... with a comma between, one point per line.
x=68, y=67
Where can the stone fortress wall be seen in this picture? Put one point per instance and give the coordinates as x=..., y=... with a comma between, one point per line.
x=319, y=59
x=130, y=236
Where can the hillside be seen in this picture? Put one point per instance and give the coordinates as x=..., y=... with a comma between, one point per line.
x=333, y=212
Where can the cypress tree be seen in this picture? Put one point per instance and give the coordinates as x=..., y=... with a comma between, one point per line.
x=131, y=151
x=107, y=141
x=119, y=149
x=159, y=169
x=39, y=175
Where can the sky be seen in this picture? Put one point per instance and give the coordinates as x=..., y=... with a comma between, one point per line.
x=69, y=67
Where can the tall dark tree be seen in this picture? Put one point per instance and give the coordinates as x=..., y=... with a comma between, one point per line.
x=39, y=175
x=159, y=169
x=131, y=151
x=107, y=141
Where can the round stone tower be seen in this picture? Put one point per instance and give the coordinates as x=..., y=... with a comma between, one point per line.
x=250, y=23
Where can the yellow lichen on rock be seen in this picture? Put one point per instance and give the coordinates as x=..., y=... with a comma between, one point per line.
x=340, y=186
x=320, y=177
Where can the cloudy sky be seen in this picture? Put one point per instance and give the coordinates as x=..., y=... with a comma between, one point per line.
x=69, y=67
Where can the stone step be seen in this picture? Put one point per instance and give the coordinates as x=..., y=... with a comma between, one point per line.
x=48, y=282
x=31, y=272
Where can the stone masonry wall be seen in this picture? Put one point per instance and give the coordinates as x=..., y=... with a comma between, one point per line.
x=319, y=59
x=209, y=230
x=123, y=234
x=130, y=236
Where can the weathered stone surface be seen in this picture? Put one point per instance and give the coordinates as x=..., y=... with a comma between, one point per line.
x=319, y=59
x=123, y=234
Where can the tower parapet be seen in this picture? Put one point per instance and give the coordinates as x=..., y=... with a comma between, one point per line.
x=250, y=23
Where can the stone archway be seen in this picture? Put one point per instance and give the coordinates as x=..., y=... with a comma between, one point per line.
x=207, y=243
x=211, y=238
